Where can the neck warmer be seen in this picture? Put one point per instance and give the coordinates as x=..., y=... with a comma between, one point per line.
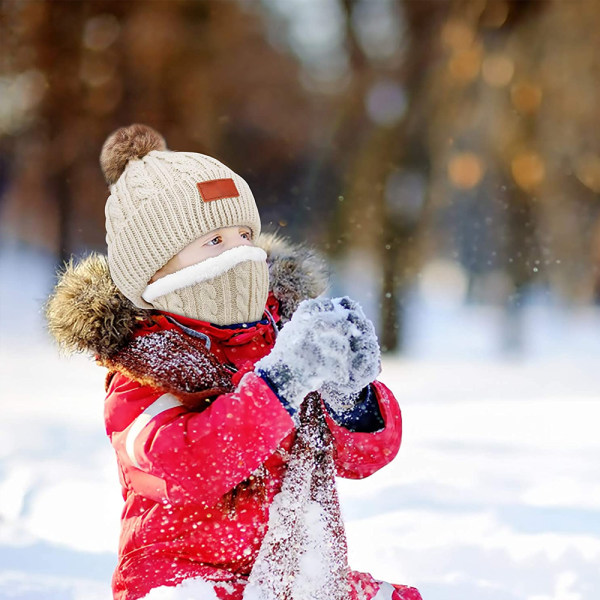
x=229, y=288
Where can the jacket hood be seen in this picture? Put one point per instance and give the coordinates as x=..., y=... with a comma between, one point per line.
x=87, y=313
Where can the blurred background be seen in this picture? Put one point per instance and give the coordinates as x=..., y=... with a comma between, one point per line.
x=443, y=153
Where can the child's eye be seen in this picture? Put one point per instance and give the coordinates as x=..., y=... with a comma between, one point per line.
x=216, y=240
x=246, y=235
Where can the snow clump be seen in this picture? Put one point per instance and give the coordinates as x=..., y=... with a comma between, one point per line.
x=190, y=589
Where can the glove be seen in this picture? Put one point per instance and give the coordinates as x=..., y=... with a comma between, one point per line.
x=327, y=344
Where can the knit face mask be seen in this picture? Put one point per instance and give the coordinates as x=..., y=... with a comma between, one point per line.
x=229, y=288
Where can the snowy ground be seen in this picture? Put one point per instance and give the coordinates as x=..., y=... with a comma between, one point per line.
x=495, y=494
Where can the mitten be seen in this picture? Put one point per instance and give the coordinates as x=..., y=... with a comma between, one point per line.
x=343, y=394
x=320, y=347
x=359, y=414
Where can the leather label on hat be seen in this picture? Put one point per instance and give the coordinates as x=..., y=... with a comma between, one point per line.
x=217, y=189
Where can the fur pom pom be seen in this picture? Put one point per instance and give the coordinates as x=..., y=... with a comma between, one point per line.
x=124, y=144
x=87, y=313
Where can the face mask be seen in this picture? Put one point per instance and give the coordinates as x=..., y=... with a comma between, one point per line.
x=229, y=288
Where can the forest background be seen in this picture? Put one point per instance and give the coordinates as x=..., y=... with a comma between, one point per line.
x=438, y=150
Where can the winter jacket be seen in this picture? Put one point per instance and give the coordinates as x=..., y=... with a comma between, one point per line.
x=201, y=440
x=198, y=484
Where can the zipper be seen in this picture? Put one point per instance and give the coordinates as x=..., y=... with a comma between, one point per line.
x=190, y=331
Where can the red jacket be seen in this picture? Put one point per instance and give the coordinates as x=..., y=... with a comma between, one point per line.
x=198, y=485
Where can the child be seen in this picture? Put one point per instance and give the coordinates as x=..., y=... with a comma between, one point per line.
x=215, y=344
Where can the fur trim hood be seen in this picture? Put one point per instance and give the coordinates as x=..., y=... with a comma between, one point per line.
x=87, y=313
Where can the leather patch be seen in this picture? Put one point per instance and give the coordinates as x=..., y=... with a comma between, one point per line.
x=217, y=189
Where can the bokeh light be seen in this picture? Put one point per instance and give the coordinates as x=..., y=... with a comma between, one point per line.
x=497, y=70
x=386, y=102
x=528, y=170
x=465, y=64
x=465, y=170
x=101, y=32
x=587, y=169
x=457, y=34
x=526, y=97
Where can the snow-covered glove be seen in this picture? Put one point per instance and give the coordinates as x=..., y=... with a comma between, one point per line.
x=343, y=395
x=328, y=345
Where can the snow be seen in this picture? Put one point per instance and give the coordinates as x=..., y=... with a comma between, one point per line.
x=192, y=589
x=303, y=555
x=495, y=494
x=496, y=484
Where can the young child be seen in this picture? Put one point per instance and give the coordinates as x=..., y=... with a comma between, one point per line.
x=234, y=394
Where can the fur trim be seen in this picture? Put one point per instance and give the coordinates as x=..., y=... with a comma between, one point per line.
x=127, y=143
x=202, y=271
x=296, y=272
x=87, y=313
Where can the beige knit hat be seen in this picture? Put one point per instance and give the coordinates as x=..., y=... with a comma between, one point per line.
x=160, y=201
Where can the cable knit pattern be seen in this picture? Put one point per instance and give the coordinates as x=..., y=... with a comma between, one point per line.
x=243, y=289
x=155, y=210
x=209, y=300
x=237, y=296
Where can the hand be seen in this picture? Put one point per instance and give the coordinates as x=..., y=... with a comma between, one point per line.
x=327, y=344
x=342, y=394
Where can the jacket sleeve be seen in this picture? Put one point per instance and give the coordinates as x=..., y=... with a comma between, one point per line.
x=359, y=454
x=171, y=454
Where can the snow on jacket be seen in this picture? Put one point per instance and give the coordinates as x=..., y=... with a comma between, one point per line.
x=201, y=440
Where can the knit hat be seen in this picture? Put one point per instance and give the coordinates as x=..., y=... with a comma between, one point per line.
x=160, y=201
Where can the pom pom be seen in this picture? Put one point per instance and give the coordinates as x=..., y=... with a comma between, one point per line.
x=124, y=144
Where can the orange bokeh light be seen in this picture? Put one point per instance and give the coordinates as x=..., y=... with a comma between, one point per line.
x=528, y=170
x=464, y=65
x=526, y=97
x=465, y=170
x=587, y=169
x=457, y=34
x=497, y=70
